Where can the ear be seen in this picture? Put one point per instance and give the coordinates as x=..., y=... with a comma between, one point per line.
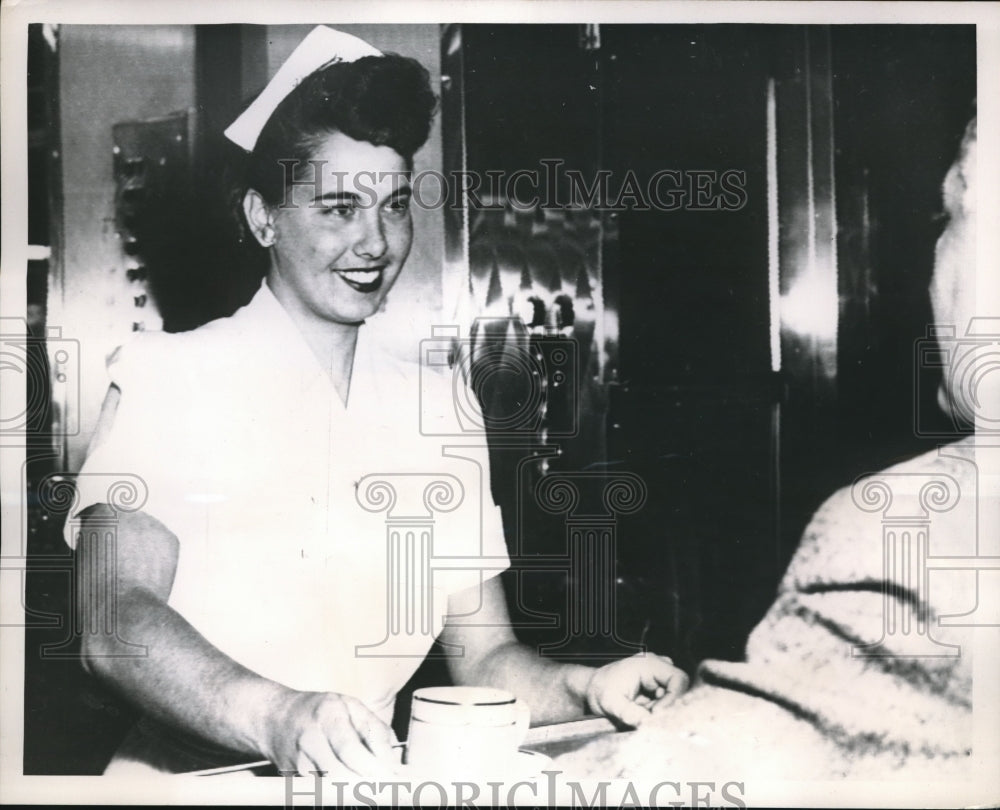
x=258, y=216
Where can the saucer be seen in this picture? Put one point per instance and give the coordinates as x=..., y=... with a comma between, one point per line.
x=525, y=765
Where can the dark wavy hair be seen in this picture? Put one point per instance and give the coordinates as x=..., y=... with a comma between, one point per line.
x=385, y=100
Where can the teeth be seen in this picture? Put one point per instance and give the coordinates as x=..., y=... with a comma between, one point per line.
x=361, y=276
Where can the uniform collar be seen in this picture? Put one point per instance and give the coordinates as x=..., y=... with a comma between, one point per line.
x=268, y=325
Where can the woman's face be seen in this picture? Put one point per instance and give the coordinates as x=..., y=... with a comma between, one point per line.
x=340, y=239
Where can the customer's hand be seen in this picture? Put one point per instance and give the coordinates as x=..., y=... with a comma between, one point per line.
x=329, y=732
x=629, y=691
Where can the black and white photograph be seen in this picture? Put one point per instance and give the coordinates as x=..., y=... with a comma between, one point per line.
x=500, y=404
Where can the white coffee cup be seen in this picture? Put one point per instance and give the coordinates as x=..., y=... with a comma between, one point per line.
x=465, y=731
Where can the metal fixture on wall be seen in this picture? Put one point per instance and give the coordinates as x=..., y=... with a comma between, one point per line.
x=152, y=171
x=807, y=228
x=536, y=343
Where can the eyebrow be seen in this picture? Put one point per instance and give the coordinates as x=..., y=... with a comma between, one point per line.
x=400, y=192
x=337, y=196
x=352, y=197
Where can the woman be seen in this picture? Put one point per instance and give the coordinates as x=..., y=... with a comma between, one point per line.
x=250, y=575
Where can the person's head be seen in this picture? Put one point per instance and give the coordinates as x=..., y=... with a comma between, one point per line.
x=953, y=284
x=327, y=191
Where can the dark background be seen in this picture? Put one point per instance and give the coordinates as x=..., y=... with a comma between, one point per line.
x=690, y=401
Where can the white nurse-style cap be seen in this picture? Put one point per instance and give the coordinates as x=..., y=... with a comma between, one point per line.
x=321, y=46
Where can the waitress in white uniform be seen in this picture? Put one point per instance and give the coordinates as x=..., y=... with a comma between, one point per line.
x=255, y=573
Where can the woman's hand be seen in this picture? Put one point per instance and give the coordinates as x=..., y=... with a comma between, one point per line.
x=329, y=732
x=632, y=689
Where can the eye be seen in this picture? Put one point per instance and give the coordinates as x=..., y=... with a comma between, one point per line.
x=398, y=207
x=339, y=210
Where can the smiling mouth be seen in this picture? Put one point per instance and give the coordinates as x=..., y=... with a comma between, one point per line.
x=364, y=280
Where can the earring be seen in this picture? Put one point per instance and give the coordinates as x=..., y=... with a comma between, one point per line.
x=267, y=236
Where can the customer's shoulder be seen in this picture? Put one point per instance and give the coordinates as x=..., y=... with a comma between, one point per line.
x=843, y=540
x=926, y=476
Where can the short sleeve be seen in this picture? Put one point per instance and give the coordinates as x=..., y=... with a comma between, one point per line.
x=474, y=532
x=494, y=543
x=131, y=460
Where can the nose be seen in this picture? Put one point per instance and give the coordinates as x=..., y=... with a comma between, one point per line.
x=371, y=242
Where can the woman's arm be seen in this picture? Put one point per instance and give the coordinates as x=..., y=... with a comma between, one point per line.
x=627, y=690
x=186, y=682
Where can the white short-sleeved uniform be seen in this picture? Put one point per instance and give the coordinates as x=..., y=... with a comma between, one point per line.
x=253, y=462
